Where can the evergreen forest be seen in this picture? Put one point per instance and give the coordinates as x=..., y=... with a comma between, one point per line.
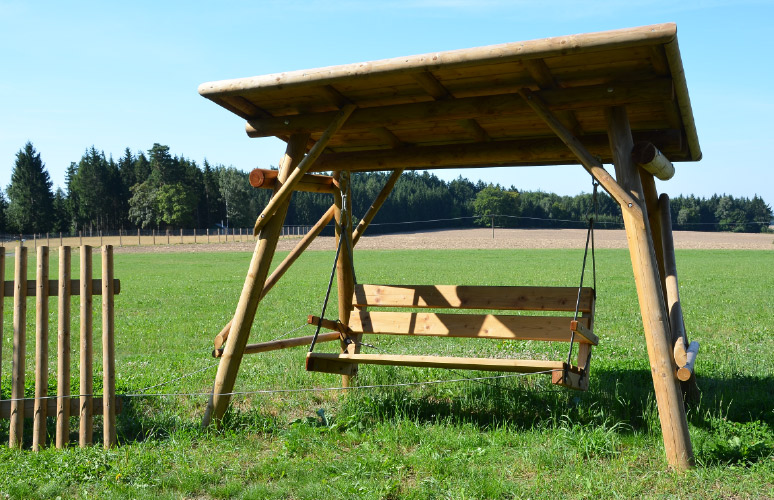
x=155, y=189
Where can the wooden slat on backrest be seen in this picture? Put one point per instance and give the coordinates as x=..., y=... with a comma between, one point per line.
x=513, y=298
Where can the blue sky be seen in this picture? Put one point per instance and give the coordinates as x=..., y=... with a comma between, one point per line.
x=125, y=74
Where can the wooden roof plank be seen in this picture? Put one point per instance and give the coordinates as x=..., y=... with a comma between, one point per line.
x=513, y=51
x=457, y=97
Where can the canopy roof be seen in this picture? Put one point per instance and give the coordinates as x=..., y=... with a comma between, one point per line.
x=461, y=108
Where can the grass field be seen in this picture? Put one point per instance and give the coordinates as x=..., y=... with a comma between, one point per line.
x=517, y=437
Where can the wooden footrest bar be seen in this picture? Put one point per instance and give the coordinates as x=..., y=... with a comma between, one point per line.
x=340, y=363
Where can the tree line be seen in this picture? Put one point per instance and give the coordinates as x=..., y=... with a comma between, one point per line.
x=156, y=190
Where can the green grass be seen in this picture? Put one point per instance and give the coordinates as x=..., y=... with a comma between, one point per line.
x=517, y=437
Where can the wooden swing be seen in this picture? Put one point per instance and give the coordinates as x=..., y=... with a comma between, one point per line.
x=398, y=321
x=581, y=99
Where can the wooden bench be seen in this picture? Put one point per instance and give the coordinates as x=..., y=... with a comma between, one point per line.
x=467, y=325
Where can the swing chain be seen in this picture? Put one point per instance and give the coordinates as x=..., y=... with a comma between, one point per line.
x=589, y=237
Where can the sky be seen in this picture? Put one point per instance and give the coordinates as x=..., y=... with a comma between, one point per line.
x=125, y=74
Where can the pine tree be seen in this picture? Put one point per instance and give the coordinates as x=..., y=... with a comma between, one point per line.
x=3, y=212
x=31, y=201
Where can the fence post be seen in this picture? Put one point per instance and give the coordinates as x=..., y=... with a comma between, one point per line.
x=2, y=301
x=63, y=350
x=181, y=235
x=41, y=351
x=48, y=240
x=139, y=240
x=154, y=236
x=108, y=350
x=16, y=430
x=208, y=235
x=80, y=238
x=87, y=355
x=194, y=236
x=60, y=239
x=120, y=241
x=167, y=236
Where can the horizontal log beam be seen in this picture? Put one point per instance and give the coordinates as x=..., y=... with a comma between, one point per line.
x=53, y=287
x=521, y=152
x=75, y=408
x=647, y=156
x=267, y=179
x=466, y=108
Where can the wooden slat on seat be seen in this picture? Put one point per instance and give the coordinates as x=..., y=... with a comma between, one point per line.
x=341, y=363
x=488, y=326
x=514, y=298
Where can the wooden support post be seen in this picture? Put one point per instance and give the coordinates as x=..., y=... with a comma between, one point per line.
x=60, y=239
x=251, y=292
x=672, y=288
x=153, y=233
x=653, y=210
x=208, y=235
x=674, y=426
x=87, y=355
x=63, y=350
x=181, y=235
x=280, y=270
x=41, y=350
x=376, y=205
x=139, y=238
x=108, y=349
x=194, y=236
x=344, y=271
x=16, y=430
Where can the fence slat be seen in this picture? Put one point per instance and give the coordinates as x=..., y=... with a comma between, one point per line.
x=41, y=351
x=87, y=380
x=63, y=350
x=16, y=430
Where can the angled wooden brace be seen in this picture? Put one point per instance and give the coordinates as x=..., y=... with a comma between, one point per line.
x=283, y=194
x=589, y=162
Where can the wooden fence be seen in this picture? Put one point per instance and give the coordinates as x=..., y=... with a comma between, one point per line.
x=84, y=405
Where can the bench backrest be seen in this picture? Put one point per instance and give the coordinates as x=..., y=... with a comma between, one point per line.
x=511, y=298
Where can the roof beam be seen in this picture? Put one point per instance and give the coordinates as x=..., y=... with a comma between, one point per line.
x=526, y=152
x=432, y=86
x=541, y=73
x=593, y=96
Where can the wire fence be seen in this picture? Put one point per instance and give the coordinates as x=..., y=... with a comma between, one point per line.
x=143, y=237
x=148, y=237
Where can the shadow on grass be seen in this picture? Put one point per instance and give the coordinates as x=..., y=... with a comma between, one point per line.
x=732, y=422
